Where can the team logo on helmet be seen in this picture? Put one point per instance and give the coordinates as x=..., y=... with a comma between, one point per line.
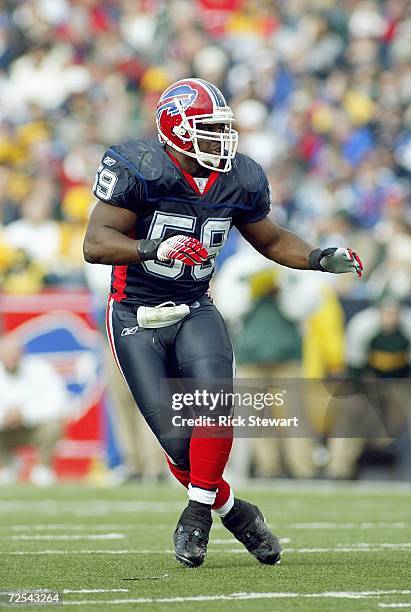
x=184, y=93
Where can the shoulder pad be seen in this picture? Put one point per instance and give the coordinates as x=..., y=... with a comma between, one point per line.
x=249, y=173
x=144, y=157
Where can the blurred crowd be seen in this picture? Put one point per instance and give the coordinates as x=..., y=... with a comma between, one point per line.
x=321, y=90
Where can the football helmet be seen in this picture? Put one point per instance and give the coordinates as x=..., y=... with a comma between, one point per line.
x=188, y=104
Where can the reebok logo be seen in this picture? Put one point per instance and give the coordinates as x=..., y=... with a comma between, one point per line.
x=129, y=331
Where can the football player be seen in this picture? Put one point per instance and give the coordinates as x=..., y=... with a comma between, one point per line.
x=164, y=212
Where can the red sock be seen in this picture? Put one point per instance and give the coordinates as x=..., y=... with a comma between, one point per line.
x=209, y=452
x=183, y=476
x=223, y=494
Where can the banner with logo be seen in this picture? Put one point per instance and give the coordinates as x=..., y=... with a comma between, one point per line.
x=60, y=327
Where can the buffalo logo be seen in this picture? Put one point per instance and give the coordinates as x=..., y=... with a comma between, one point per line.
x=184, y=93
x=74, y=349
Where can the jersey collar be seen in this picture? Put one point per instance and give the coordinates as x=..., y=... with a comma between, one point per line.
x=189, y=178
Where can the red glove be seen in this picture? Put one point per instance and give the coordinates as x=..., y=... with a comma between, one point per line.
x=187, y=249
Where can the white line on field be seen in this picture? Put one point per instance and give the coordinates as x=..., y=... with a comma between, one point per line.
x=339, y=549
x=85, y=527
x=81, y=527
x=326, y=525
x=93, y=507
x=73, y=591
x=96, y=591
x=395, y=605
x=68, y=536
x=89, y=552
x=241, y=596
x=361, y=545
x=106, y=527
x=84, y=511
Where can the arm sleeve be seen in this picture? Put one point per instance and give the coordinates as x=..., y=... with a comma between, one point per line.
x=116, y=183
x=260, y=206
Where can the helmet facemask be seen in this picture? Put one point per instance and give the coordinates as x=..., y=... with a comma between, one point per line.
x=189, y=133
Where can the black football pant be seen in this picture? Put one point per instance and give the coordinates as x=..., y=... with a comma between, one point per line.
x=197, y=347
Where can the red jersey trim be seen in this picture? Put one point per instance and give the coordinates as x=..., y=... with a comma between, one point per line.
x=120, y=278
x=190, y=180
x=119, y=283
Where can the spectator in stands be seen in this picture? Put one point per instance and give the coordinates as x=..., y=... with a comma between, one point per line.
x=33, y=405
x=379, y=357
x=37, y=233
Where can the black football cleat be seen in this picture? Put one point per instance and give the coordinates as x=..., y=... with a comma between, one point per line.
x=191, y=534
x=247, y=524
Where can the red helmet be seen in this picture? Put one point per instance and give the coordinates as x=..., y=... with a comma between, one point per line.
x=183, y=106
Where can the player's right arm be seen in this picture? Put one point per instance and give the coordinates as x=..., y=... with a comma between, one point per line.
x=107, y=241
x=107, y=238
x=113, y=221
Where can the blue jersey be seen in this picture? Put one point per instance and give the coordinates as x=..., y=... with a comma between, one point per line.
x=140, y=175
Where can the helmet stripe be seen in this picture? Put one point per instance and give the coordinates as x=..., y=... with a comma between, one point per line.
x=219, y=96
x=214, y=93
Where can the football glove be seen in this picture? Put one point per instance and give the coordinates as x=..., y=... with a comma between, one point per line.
x=187, y=249
x=335, y=260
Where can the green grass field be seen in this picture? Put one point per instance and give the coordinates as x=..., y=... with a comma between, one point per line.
x=345, y=548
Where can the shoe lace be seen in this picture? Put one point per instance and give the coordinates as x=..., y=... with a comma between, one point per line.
x=194, y=536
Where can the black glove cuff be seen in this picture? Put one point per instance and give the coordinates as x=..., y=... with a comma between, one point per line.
x=314, y=259
x=316, y=256
x=147, y=249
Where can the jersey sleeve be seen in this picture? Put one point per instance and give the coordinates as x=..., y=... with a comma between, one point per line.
x=116, y=183
x=260, y=207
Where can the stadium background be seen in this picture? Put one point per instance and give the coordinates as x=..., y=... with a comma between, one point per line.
x=322, y=94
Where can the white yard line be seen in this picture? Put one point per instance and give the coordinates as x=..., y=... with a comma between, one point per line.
x=345, y=548
x=90, y=552
x=83, y=509
x=90, y=527
x=233, y=596
x=361, y=545
x=106, y=527
x=92, y=507
x=395, y=605
x=95, y=591
x=79, y=527
x=68, y=591
x=241, y=596
x=68, y=536
x=338, y=549
x=327, y=525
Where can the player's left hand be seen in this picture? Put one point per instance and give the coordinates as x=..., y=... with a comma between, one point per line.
x=336, y=260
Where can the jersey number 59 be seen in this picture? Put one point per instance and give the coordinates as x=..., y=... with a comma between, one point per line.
x=213, y=235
